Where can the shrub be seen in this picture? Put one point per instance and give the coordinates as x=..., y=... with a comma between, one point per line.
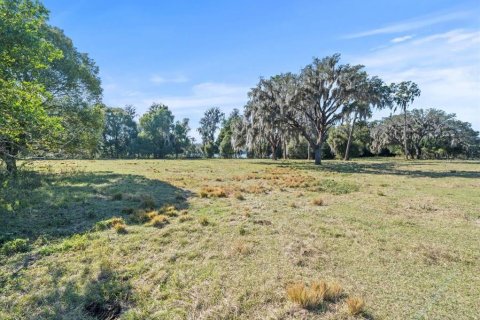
x=318, y=201
x=15, y=246
x=355, y=305
x=159, y=221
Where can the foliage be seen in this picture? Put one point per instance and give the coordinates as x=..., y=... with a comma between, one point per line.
x=156, y=128
x=431, y=133
x=49, y=90
x=119, y=132
x=209, y=124
x=224, y=139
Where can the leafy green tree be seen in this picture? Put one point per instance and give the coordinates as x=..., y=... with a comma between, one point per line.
x=24, y=52
x=404, y=94
x=316, y=100
x=263, y=115
x=50, y=92
x=224, y=139
x=209, y=124
x=373, y=93
x=430, y=132
x=156, y=130
x=119, y=132
x=181, y=139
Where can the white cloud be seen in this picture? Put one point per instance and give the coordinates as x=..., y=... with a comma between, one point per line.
x=157, y=79
x=401, y=39
x=413, y=24
x=446, y=67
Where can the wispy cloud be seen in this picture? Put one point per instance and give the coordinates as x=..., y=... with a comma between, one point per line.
x=445, y=65
x=157, y=79
x=410, y=25
x=401, y=39
x=203, y=96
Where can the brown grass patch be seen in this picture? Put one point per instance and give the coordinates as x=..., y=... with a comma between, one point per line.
x=318, y=202
x=159, y=221
x=241, y=247
x=305, y=297
x=239, y=196
x=120, y=228
x=355, y=305
x=334, y=291
x=213, y=192
x=204, y=221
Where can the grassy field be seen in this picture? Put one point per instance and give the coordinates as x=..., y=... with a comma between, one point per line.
x=225, y=239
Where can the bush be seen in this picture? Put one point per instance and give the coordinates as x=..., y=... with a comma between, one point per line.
x=14, y=246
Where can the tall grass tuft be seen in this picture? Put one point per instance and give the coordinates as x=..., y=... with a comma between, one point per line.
x=355, y=305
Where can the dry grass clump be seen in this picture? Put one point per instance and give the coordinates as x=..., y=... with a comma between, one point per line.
x=241, y=247
x=318, y=201
x=239, y=196
x=213, y=192
x=305, y=297
x=159, y=221
x=312, y=296
x=170, y=211
x=334, y=291
x=118, y=224
x=355, y=305
x=120, y=228
x=292, y=205
x=184, y=218
x=204, y=221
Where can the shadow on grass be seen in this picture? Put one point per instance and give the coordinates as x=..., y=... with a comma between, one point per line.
x=380, y=168
x=53, y=206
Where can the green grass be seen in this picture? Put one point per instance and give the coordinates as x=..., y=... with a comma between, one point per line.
x=402, y=235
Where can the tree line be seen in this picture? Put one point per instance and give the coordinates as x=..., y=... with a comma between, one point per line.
x=51, y=105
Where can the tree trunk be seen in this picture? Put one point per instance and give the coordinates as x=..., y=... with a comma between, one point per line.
x=405, y=149
x=349, y=142
x=418, y=152
x=318, y=154
x=11, y=163
x=9, y=157
x=274, y=152
x=308, y=151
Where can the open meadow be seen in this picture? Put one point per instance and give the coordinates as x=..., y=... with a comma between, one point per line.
x=241, y=239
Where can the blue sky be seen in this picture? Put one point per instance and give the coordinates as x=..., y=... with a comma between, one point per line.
x=192, y=55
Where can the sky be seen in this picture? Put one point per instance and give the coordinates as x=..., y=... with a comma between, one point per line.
x=193, y=55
